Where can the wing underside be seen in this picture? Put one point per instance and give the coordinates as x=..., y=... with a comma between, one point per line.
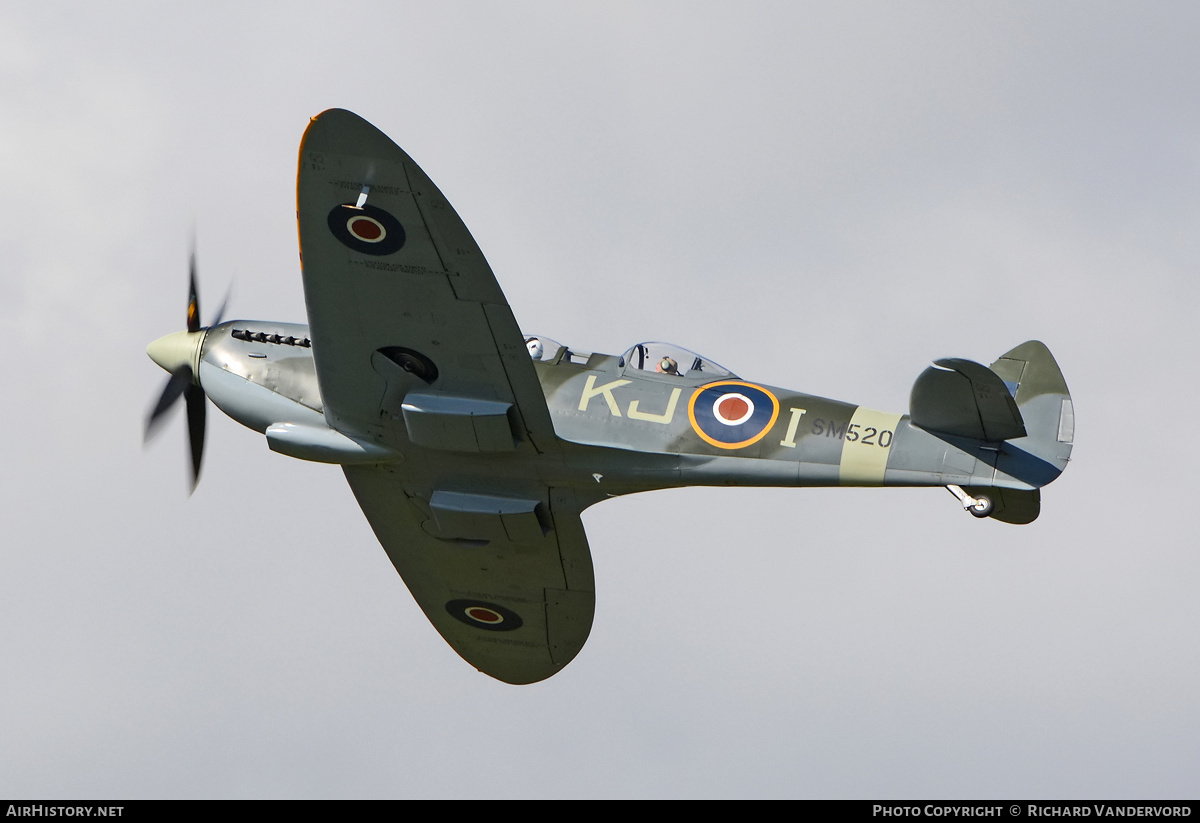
x=514, y=600
x=390, y=270
x=417, y=351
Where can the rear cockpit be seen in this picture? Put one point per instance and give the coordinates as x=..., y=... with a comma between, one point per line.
x=545, y=350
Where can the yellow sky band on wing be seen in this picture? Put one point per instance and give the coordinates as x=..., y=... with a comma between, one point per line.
x=866, y=447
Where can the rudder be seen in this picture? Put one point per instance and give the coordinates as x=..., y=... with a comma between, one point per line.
x=1036, y=383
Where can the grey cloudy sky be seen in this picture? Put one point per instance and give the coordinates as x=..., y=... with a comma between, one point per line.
x=818, y=196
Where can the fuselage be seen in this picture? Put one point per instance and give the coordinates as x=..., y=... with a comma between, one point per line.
x=629, y=423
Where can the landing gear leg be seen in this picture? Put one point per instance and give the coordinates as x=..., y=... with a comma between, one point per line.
x=977, y=506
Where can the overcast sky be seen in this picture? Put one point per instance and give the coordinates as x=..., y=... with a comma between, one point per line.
x=819, y=196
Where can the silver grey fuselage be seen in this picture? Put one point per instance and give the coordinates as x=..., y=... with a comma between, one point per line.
x=627, y=429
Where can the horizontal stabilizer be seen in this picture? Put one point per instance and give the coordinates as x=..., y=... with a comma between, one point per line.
x=963, y=398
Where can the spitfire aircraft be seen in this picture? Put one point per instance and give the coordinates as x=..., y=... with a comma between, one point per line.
x=473, y=448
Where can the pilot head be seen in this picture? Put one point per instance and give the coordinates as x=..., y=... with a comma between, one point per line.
x=535, y=348
x=668, y=366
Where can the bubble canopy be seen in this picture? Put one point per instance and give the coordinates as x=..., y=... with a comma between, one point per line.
x=672, y=360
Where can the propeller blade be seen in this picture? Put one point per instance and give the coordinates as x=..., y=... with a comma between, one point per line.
x=195, y=414
x=179, y=381
x=193, y=311
x=172, y=349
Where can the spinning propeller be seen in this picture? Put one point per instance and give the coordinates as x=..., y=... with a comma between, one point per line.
x=179, y=354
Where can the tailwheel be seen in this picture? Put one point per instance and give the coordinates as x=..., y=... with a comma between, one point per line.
x=977, y=506
x=982, y=507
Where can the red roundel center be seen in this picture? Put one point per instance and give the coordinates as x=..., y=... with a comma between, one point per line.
x=364, y=228
x=483, y=615
x=733, y=409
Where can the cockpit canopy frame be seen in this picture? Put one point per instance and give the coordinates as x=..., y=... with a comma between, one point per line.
x=650, y=358
x=670, y=360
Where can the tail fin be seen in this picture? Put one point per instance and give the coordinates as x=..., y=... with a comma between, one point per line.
x=1020, y=413
x=1042, y=396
